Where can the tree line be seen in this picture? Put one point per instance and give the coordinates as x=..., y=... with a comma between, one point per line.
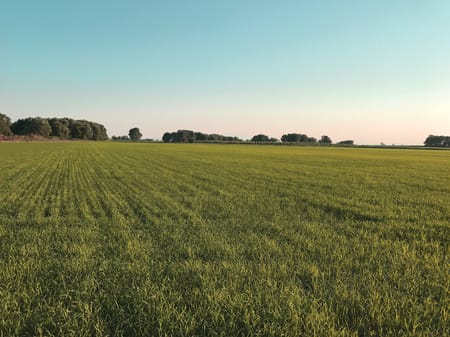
x=189, y=136
x=63, y=128
x=67, y=128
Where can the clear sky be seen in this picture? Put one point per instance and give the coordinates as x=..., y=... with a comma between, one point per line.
x=373, y=71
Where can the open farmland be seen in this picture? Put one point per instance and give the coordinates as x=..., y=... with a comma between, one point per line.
x=123, y=239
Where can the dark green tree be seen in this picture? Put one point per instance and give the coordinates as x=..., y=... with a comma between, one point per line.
x=167, y=137
x=201, y=136
x=184, y=136
x=135, y=134
x=346, y=142
x=5, y=124
x=437, y=141
x=188, y=136
x=297, y=138
x=98, y=132
x=64, y=128
x=260, y=138
x=325, y=140
x=81, y=129
x=214, y=137
x=59, y=128
x=291, y=138
x=32, y=126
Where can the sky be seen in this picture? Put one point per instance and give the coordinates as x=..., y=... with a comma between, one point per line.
x=371, y=71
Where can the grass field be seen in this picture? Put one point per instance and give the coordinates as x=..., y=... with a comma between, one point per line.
x=108, y=239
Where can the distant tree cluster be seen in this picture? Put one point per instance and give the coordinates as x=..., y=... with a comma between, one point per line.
x=346, y=142
x=123, y=138
x=297, y=138
x=325, y=140
x=188, y=136
x=437, y=141
x=302, y=138
x=263, y=139
x=64, y=128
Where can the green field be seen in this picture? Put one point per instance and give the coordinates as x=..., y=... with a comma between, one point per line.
x=123, y=239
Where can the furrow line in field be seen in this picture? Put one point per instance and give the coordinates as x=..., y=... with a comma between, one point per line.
x=53, y=198
x=86, y=194
x=46, y=197
x=188, y=188
x=169, y=219
x=20, y=175
x=138, y=195
x=81, y=191
x=170, y=187
x=207, y=190
x=32, y=209
x=270, y=187
x=70, y=202
x=211, y=182
x=110, y=193
x=65, y=189
x=177, y=168
x=118, y=186
x=107, y=196
x=90, y=190
x=28, y=185
x=8, y=173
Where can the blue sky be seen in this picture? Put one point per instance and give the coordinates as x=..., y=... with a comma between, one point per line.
x=372, y=71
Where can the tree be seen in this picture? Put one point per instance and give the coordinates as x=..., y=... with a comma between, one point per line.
x=135, y=134
x=81, y=129
x=200, y=136
x=5, y=124
x=98, y=132
x=32, y=126
x=290, y=138
x=214, y=137
x=59, y=128
x=184, y=136
x=167, y=137
x=297, y=138
x=437, y=141
x=260, y=138
x=325, y=140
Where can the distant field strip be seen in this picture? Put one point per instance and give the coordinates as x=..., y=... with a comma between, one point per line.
x=124, y=239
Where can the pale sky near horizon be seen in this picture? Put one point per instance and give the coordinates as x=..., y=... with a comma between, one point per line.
x=372, y=71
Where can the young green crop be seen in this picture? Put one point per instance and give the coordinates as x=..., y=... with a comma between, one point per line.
x=121, y=239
